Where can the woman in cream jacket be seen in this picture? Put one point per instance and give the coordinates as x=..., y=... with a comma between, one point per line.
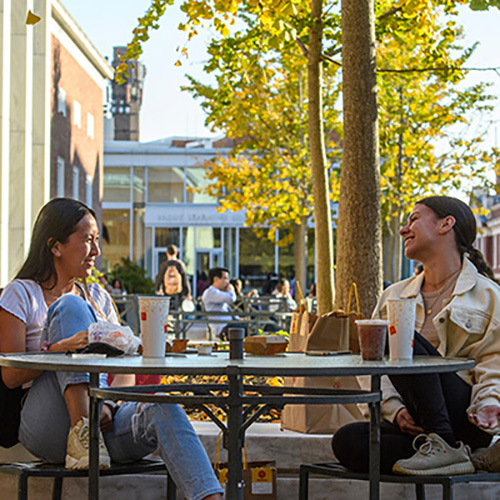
x=431, y=422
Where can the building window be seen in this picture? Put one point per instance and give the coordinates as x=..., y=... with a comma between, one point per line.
x=117, y=184
x=195, y=183
x=117, y=245
x=165, y=185
x=61, y=101
x=90, y=125
x=139, y=184
x=76, y=183
x=257, y=257
x=77, y=114
x=60, y=177
x=88, y=191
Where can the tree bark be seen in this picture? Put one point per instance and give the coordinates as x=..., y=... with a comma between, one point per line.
x=359, y=225
x=300, y=253
x=322, y=210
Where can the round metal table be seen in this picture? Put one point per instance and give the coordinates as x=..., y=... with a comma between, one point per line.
x=290, y=364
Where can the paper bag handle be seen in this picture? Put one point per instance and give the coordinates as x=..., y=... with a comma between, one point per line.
x=302, y=300
x=355, y=288
x=217, y=452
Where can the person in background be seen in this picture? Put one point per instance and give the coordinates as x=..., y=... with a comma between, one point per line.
x=49, y=307
x=270, y=284
x=282, y=291
x=419, y=268
x=202, y=283
x=175, y=284
x=219, y=296
x=311, y=300
x=172, y=255
x=293, y=284
x=103, y=281
x=433, y=421
x=117, y=287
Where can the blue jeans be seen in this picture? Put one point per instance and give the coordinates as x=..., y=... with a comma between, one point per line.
x=138, y=430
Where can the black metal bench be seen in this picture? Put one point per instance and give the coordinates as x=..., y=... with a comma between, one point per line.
x=25, y=470
x=334, y=469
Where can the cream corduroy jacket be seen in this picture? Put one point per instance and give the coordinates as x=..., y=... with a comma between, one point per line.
x=468, y=326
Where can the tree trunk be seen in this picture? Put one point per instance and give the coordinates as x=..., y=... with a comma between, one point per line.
x=322, y=210
x=300, y=253
x=359, y=225
x=397, y=249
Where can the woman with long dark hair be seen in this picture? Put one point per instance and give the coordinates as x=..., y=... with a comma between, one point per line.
x=49, y=295
x=432, y=422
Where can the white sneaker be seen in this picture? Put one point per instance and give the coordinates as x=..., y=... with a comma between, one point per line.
x=435, y=457
x=77, y=451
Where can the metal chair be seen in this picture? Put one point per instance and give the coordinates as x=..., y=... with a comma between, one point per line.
x=334, y=469
x=25, y=470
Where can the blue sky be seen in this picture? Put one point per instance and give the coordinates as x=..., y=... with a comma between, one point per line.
x=168, y=111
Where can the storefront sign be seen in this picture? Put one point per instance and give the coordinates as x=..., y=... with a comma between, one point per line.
x=192, y=215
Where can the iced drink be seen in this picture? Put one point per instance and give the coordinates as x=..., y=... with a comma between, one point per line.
x=372, y=335
x=154, y=319
x=401, y=314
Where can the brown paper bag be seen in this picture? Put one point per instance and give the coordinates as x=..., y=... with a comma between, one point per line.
x=331, y=332
x=302, y=324
x=320, y=419
x=259, y=477
x=297, y=315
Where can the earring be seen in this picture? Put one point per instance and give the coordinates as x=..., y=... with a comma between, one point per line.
x=57, y=254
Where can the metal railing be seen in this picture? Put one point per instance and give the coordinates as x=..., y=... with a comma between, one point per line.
x=257, y=313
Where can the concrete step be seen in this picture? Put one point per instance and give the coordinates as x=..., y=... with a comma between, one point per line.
x=264, y=442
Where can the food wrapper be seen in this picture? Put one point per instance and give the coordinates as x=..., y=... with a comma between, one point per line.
x=121, y=337
x=265, y=345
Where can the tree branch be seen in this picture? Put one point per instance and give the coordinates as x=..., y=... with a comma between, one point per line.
x=437, y=68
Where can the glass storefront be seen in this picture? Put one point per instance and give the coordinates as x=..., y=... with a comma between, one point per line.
x=257, y=258
x=147, y=207
x=195, y=180
x=116, y=185
x=165, y=185
x=116, y=237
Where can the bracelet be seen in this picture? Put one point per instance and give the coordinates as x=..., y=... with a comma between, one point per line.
x=45, y=347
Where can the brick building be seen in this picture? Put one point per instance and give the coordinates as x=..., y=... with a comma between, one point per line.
x=52, y=83
x=79, y=75
x=488, y=225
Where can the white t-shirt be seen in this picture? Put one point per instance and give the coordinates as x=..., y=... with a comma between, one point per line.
x=24, y=299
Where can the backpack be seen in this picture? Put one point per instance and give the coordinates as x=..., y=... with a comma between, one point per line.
x=172, y=281
x=10, y=414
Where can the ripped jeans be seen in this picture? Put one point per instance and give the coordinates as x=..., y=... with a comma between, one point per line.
x=138, y=430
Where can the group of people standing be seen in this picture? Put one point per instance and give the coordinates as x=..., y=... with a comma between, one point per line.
x=433, y=423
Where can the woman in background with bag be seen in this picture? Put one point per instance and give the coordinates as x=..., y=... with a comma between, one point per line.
x=440, y=417
x=54, y=417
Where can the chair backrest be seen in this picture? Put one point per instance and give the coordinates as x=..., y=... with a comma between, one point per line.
x=128, y=309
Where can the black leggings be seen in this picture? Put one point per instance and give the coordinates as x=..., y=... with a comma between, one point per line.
x=437, y=403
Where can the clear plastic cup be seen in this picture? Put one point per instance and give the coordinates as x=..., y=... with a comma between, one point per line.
x=372, y=334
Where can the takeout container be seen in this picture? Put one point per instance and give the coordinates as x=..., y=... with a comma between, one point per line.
x=177, y=345
x=265, y=345
x=205, y=349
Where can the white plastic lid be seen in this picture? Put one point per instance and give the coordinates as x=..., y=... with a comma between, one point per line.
x=376, y=322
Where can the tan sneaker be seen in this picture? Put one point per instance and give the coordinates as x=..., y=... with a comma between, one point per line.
x=487, y=459
x=77, y=452
x=435, y=457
